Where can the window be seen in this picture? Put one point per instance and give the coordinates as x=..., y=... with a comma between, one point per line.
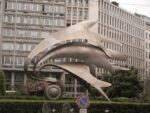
x=80, y=1
x=8, y=32
x=55, y=22
x=68, y=1
x=58, y=22
x=74, y=12
x=18, y=20
x=62, y=9
x=45, y=34
x=39, y=7
x=25, y=20
x=86, y=2
x=32, y=46
x=21, y=6
x=59, y=9
x=62, y=22
x=48, y=8
x=34, y=34
x=80, y=13
x=7, y=60
x=19, y=78
x=19, y=60
x=56, y=9
x=20, y=33
x=85, y=14
x=23, y=47
x=33, y=20
x=7, y=46
x=68, y=12
x=29, y=47
x=27, y=33
x=47, y=21
x=11, y=5
x=11, y=18
x=5, y=18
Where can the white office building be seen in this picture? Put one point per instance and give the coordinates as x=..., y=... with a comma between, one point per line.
x=24, y=23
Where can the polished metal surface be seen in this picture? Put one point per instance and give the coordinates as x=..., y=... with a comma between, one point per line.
x=75, y=42
x=78, y=31
x=53, y=92
x=88, y=53
x=80, y=71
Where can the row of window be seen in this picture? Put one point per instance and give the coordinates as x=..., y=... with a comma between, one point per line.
x=113, y=10
x=147, y=35
x=126, y=49
x=121, y=25
x=77, y=2
x=54, y=9
x=21, y=6
x=127, y=29
x=77, y=13
x=118, y=62
x=120, y=36
x=18, y=79
x=147, y=46
x=113, y=46
x=147, y=55
x=135, y=62
x=17, y=46
x=22, y=33
x=9, y=60
x=34, y=20
x=132, y=51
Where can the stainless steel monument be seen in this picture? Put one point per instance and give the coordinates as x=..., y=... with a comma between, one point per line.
x=79, y=43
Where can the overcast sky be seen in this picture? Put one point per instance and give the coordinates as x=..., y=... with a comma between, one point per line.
x=136, y=6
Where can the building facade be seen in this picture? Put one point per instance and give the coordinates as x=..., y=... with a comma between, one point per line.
x=24, y=23
x=147, y=54
x=147, y=60
x=147, y=44
x=123, y=26
x=147, y=50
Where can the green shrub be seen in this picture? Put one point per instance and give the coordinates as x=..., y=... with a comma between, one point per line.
x=122, y=99
x=2, y=83
x=124, y=84
x=95, y=107
x=31, y=106
x=23, y=97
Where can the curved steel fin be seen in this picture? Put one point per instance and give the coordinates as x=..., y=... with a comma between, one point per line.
x=80, y=70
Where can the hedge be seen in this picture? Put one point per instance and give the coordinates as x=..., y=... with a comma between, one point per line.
x=2, y=83
x=25, y=106
x=21, y=97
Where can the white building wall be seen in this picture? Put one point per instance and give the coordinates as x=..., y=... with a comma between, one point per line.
x=93, y=14
x=23, y=29
x=147, y=54
x=24, y=24
x=122, y=26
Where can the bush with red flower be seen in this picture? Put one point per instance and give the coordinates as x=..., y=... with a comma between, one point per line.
x=36, y=88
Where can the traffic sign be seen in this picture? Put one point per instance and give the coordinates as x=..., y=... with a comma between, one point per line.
x=83, y=101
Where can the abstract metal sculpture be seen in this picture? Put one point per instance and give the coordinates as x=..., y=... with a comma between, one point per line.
x=79, y=43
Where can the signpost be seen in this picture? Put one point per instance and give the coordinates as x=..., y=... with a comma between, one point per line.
x=83, y=103
x=83, y=111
